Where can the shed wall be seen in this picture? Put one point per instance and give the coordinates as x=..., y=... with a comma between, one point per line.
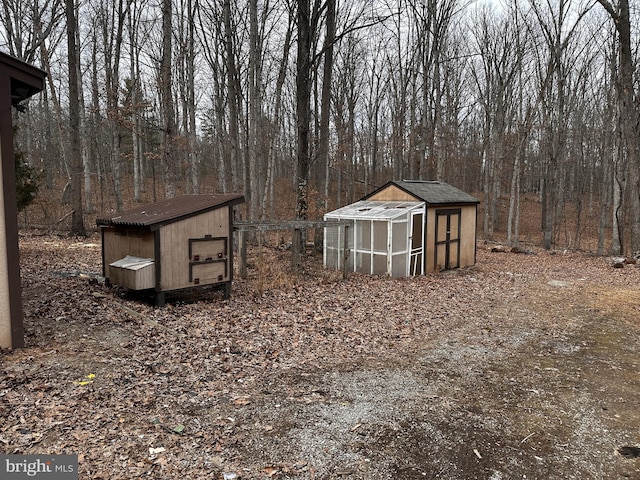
x=5, y=278
x=467, y=235
x=118, y=243
x=174, y=247
x=393, y=193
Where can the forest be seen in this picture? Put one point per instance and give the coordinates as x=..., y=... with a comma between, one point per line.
x=305, y=106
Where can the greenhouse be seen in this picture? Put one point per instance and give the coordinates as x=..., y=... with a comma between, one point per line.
x=385, y=238
x=404, y=228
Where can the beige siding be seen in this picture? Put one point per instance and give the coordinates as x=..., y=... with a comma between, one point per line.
x=117, y=246
x=5, y=301
x=467, y=236
x=209, y=249
x=140, y=279
x=208, y=273
x=174, y=246
x=393, y=194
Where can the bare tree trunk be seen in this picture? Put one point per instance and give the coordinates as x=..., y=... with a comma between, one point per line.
x=112, y=17
x=267, y=198
x=234, y=98
x=252, y=193
x=306, y=27
x=327, y=76
x=85, y=139
x=186, y=77
x=95, y=122
x=495, y=81
x=216, y=28
x=194, y=157
x=628, y=113
x=325, y=112
x=57, y=109
x=134, y=74
x=134, y=26
x=77, y=221
x=170, y=169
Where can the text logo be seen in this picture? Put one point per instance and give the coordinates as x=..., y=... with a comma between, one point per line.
x=39, y=467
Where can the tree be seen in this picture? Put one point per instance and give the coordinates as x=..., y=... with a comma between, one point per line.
x=186, y=74
x=325, y=106
x=75, y=159
x=26, y=182
x=170, y=168
x=628, y=115
x=307, y=24
x=557, y=56
x=234, y=95
x=495, y=79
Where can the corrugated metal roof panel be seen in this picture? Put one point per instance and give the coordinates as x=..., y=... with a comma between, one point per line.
x=170, y=210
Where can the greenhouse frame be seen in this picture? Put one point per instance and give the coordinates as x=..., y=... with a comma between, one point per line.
x=379, y=241
x=404, y=228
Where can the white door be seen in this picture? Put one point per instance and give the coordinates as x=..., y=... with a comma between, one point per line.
x=416, y=244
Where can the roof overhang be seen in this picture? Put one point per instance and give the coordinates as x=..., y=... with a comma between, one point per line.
x=152, y=217
x=375, y=210
x=26, y=80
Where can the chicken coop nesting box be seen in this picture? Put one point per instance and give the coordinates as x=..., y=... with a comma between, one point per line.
x=405, y=228
x=176, y=244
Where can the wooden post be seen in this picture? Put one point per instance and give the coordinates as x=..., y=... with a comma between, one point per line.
x=243, y=254
x=260, y=262
x=296, y=249
x=297, y=228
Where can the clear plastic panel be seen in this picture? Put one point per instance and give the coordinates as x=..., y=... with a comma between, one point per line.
x=363, y=234
x=363, y=262
x=380, y=236
x=379, y=264
x=399, y=265
x=399, y=243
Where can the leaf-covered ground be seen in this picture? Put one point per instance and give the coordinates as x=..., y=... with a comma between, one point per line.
x=525, y=366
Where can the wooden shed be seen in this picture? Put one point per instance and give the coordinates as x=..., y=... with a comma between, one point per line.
x=176, y=244
x=18, y=82
x=405, y=228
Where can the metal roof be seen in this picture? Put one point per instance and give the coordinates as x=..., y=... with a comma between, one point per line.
x=168, y=211
x=432, y=192
x=374, y=210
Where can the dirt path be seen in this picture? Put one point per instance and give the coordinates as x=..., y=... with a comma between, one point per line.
x=546, y=387
x=523, y=367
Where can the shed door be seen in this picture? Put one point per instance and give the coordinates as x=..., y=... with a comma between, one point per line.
x=416, y=242
x=448, y=239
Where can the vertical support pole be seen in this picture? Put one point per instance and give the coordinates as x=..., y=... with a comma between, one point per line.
x=243, y=253
x=11, y=326
x=345, y=252
x=260, y=261
x=296, y=249
x=161, y=299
